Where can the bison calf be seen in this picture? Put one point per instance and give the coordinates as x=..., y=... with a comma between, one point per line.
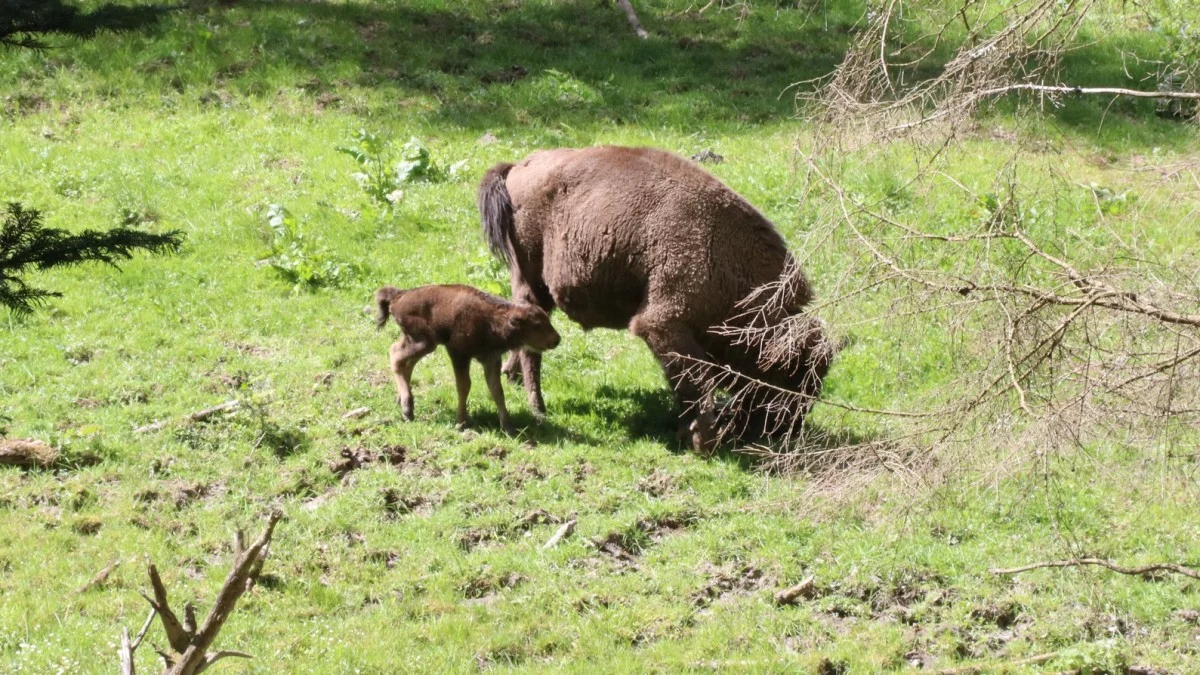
x=471, y=325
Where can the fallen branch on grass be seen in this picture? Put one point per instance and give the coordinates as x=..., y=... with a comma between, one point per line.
x=128, y=647
x=1078, y=562
x=100, y=578
x=563, y=531
x=994, y=666
x=805, y=589
x=189, y=645
x=198, y=416
x=633, y=19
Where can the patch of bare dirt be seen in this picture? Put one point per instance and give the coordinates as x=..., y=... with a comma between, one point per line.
x=472, y=538
x=509, y=75
x=396, y=504
x=489, y=584
x=620, y=548
x=659, y=527
x=186, y=494
x=516, y=477
x=657, y=484
x=388, y=557
x=352, y=459
x=742, y=580
x=87, y=526
x=535, y=517
x=249, y=349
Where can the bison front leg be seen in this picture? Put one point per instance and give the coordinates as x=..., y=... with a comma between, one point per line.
x=676, y=347
x=531, y=362
x=531, y=372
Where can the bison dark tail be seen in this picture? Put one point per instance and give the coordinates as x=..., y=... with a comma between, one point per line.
x=496, y=210
x=383, y=301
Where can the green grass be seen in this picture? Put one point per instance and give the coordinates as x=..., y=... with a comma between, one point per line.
x=203, y=120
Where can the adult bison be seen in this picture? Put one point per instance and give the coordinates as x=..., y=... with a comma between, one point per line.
x=640, y=238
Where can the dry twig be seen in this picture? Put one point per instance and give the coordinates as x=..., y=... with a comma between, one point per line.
x=198, y=416
x=805, y=589
x=189, y=643
x=563, y=532
x=1107, y=564
x=632, y=16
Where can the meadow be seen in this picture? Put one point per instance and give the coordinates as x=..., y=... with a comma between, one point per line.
x=227, y=121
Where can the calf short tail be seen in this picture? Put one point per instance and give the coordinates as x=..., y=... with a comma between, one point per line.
x=384, y=297
x=496, y=210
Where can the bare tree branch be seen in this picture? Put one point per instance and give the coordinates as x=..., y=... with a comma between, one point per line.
x=631, y=15
x=189, y=646
x=1077, y=562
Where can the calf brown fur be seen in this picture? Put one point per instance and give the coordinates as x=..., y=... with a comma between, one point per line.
x=471, y=325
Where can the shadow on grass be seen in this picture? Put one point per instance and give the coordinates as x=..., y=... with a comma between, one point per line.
x=566, y=63
x=643, y=414
x=26, y=23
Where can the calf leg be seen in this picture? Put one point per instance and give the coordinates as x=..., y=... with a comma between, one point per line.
x=667, y=338
x=404, y=355
x=462, y=381
x=491, y=372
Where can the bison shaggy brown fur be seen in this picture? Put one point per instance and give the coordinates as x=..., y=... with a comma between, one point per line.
x=642, y=239
x=471, y=325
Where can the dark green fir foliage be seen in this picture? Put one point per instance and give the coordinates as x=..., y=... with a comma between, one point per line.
x=27, y=244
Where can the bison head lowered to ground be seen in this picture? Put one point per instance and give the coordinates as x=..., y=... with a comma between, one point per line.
x=640, y=238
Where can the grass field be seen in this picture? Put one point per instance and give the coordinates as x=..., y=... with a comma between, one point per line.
x=203, y=119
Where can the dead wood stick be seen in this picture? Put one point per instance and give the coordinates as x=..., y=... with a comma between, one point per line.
x=100, y=578
x=633, y=19
x=1102, y=91
x=356, y=413
x=197, y=416
x=128, y=647
x=991, y=667
x=563, y=531
x=805, y=589
x=1077, y=562
x=189, y=645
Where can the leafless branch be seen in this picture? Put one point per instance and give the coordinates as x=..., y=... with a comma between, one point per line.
x=632, y=16
x=189, y=644
x=1107, y=564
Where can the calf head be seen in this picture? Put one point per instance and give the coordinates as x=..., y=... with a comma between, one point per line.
x=530, y=326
